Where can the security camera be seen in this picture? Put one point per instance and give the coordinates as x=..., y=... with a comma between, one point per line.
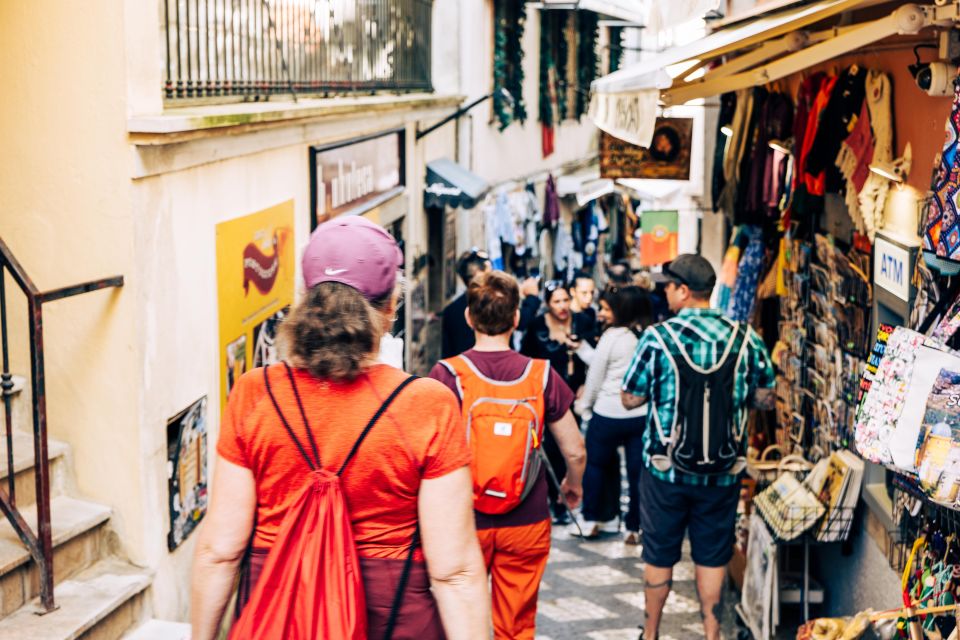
x=935, y=78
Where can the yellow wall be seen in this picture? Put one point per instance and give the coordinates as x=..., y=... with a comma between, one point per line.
x=65, y=206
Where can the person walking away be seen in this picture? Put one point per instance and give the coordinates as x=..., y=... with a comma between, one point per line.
x=702, y=373
x=403, y=476
x=556, y=335
x=506, y=400
x=611, y=425
x=455, y=336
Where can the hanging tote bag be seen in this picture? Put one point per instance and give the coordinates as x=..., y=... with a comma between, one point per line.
x=891, y=414
x=310, y=586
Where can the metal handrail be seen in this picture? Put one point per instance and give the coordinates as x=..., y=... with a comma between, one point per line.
x=39, y=542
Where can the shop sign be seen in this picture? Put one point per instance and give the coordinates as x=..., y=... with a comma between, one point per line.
x=891, y=269
x=356, y=175
x=256, y=258
x=666, y=158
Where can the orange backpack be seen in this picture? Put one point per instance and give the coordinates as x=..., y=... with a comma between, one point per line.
x=504, y=430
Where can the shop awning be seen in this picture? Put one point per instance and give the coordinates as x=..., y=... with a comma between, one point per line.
x=630, y=11
x=651, y=190
x=773, y=46
x=451, y=185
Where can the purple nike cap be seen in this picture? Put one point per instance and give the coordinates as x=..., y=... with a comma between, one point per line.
x=355, y=252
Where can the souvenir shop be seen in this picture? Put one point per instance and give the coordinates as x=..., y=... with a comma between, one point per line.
x=840, y=197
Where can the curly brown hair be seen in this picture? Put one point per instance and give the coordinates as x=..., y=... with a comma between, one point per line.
x=334, y=332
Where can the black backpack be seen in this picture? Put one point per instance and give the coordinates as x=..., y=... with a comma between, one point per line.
x=704, y=438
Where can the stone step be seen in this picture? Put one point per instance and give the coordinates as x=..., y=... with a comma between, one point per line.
x=160, y=630
x=101, y=603
x=23, y=466
x=80, y=539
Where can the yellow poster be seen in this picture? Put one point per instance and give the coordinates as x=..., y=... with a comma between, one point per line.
x=255, y=273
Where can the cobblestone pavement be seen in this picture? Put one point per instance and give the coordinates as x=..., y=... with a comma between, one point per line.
x=593, y=589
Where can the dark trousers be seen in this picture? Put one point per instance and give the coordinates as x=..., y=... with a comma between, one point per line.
x=559, y=466
x=601, y=481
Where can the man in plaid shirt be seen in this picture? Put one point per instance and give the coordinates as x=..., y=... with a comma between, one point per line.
x=672, y=500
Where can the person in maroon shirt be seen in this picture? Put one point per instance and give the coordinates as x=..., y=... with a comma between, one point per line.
x=516, y=543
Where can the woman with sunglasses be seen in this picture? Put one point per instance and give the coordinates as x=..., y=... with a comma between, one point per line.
x=627, y=311
x=556, y=335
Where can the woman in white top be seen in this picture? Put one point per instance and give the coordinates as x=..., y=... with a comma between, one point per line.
x=626, y=311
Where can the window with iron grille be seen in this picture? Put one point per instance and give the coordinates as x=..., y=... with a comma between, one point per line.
x=252, y=49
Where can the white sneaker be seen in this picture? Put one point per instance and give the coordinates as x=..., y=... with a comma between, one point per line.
x=631, y=537
x=588, y=528
x=610, y=526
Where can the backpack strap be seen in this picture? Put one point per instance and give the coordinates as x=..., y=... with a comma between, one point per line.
x=402, y=586
x=314, y=465
x=383, y=408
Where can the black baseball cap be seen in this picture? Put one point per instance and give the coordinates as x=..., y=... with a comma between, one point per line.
x=689, y=269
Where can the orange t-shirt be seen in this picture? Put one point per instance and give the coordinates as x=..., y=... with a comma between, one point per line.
x=420, y=436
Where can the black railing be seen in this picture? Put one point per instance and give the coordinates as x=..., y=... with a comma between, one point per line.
x=39, y=542
x=256, y=48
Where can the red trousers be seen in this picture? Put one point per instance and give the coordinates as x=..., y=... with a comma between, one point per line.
x=516, y=558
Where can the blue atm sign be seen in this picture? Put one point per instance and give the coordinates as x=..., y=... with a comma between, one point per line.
x=891, y=268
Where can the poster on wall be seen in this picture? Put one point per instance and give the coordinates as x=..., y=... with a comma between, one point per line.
x=660, y=232
x=187, y=471
x=667, y=158
x=255, y=283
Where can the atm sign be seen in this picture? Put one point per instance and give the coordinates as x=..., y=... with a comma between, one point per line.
x=891, y=269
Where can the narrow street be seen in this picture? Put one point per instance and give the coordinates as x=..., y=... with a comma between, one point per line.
x=594, y=589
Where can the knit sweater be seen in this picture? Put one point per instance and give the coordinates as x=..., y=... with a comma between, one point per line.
x=608, y=366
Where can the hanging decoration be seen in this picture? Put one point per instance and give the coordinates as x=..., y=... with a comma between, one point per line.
x=553, y=69
x=587, y=59
x=508, y=63
x=560, y=32
x=616, y=49
x=546, y=104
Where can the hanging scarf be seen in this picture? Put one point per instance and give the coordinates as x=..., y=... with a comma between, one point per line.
x=873, y=195
x=744, y=297
x=856, y=154
x=736, y=148
x=551, y=204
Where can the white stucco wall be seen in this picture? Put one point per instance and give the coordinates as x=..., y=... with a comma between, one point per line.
x=515, y=152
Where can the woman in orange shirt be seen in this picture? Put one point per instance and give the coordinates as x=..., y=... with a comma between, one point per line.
x=411, y=470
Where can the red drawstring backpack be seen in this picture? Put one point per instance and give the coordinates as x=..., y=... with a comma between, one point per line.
x=310, y=587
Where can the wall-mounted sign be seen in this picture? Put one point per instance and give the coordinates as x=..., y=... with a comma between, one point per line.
x=660, y=232
x=187, y=471
x=891, y=268
x=356, y=175
x=255, y=273
x=667, y=158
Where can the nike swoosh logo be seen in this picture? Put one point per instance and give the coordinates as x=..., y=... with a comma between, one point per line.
x=334, y=272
